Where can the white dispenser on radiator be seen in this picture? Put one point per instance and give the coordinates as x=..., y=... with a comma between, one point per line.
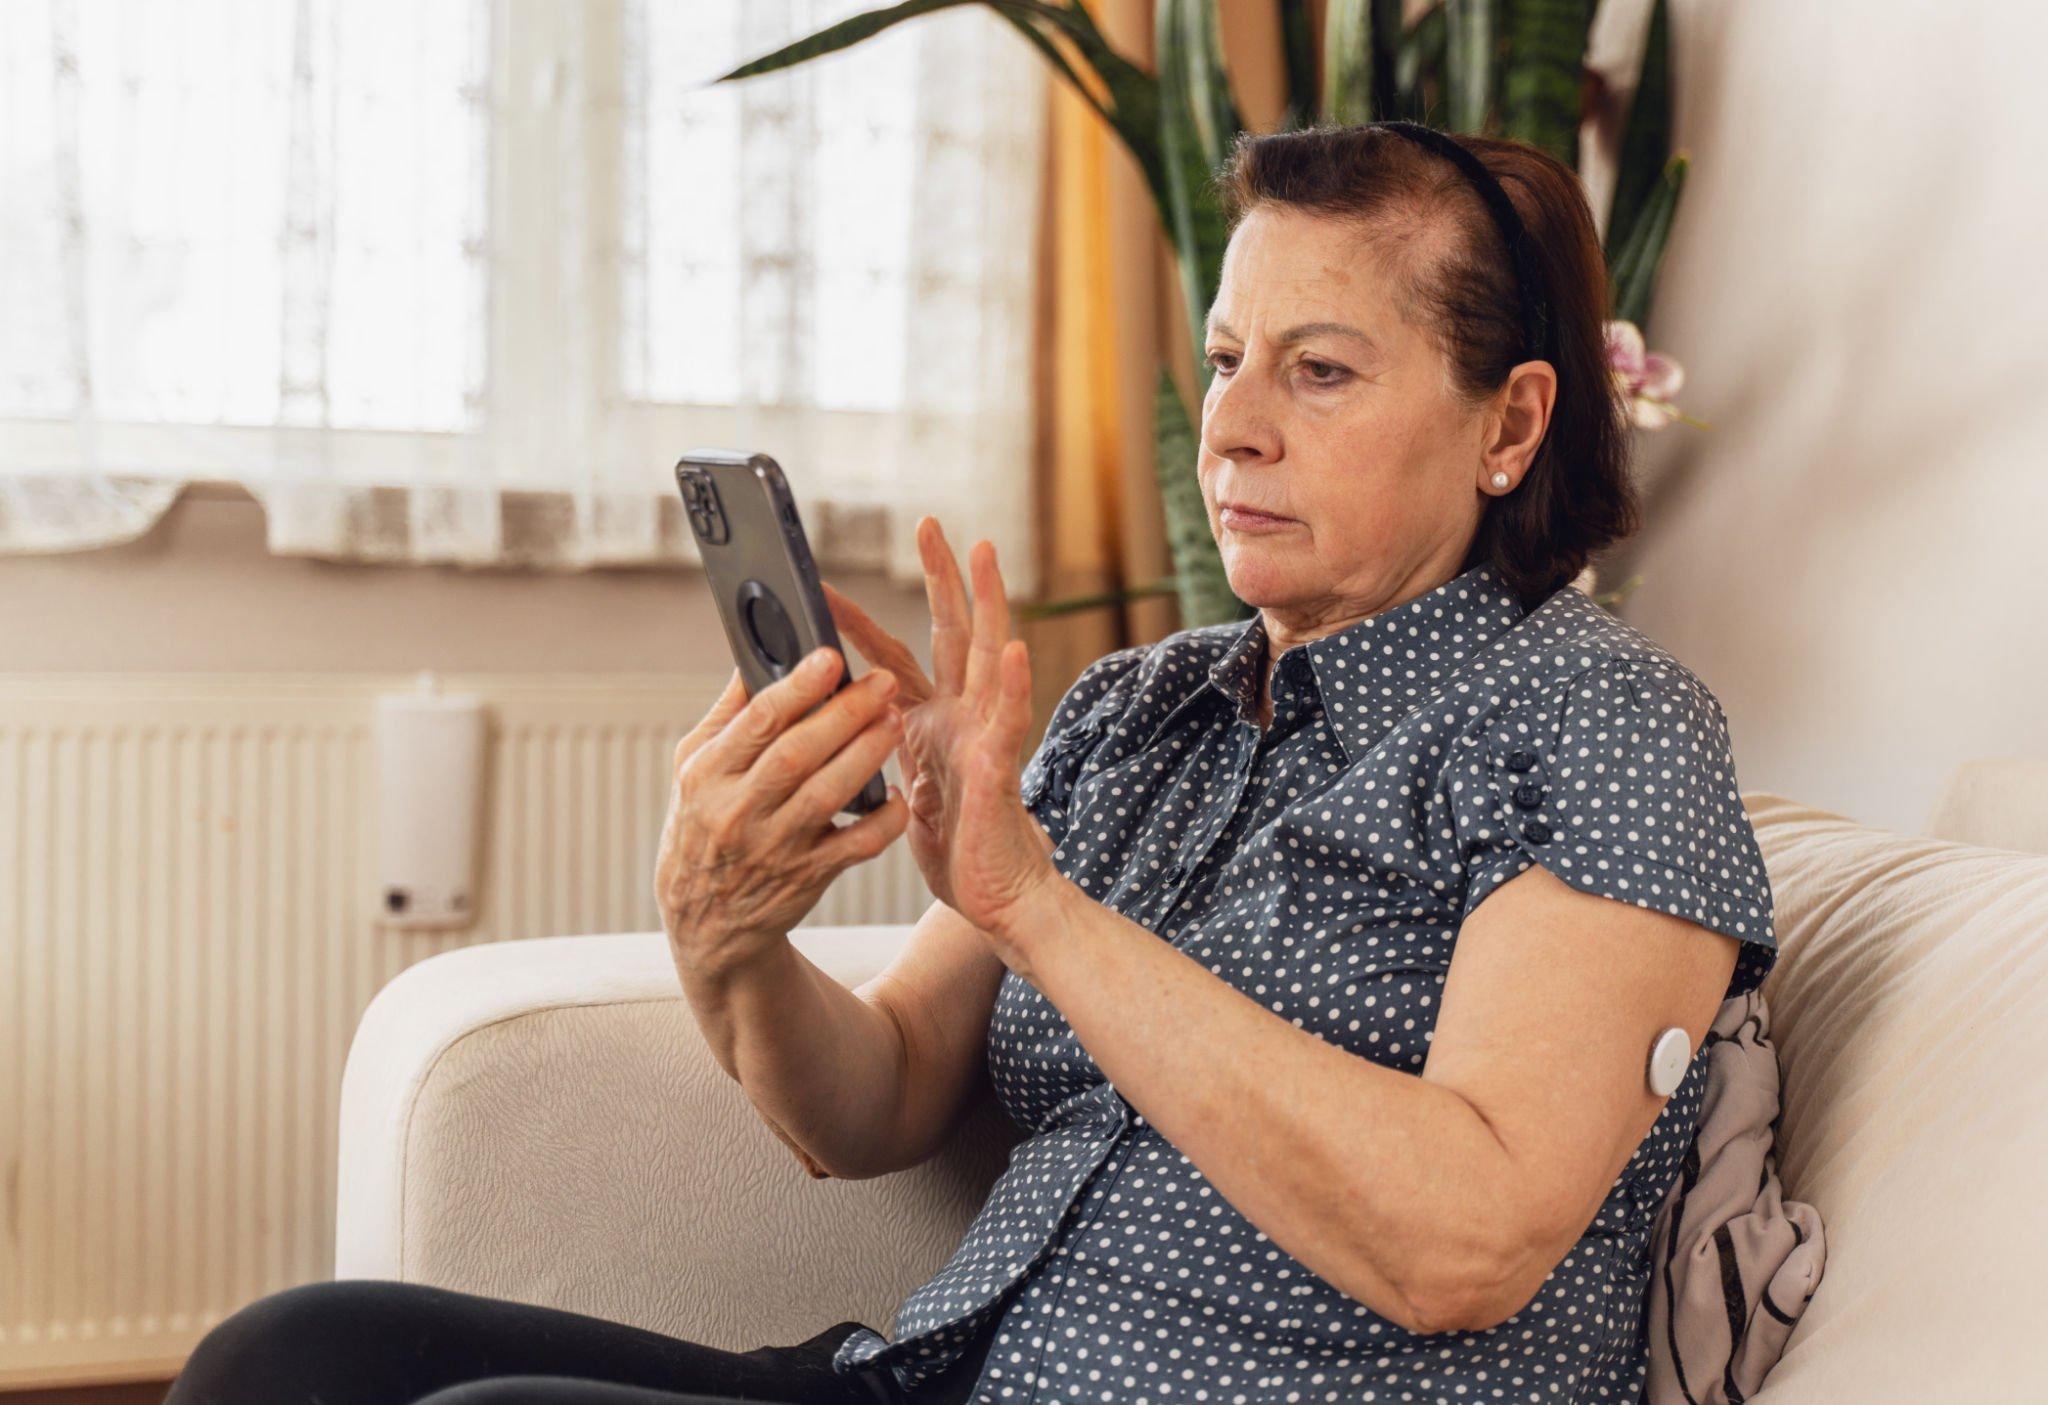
x=430, y=782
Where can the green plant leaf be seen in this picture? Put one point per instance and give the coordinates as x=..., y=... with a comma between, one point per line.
x=1204, y=588
x=1073, y=604
x=1192, y=79
x=1134, y=94
x=1419, y=69
x=1542, y=98
x=1386, y=57
x=1362, y=43
x=1190, y=71
x=1633, y=277
x=1347, y=62
x=1471, y=67
x=1133, y=107
x=834, y=37
x=1608, y=599
x=1058, y=60
x=1646, y=139
x=1298, y=48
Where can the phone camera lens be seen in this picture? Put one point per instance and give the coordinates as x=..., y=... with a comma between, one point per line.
x=701, y=505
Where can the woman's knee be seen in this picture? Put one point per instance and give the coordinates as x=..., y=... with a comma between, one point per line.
x=278, y=1346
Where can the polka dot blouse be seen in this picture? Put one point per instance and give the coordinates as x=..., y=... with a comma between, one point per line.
x=1416, y=760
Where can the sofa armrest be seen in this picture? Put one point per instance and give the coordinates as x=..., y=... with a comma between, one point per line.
x=542, y=1120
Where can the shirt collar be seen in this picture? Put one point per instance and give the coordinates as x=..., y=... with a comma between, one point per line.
x=1371, y=674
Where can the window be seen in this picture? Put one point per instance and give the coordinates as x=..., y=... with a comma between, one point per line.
x=459, y=281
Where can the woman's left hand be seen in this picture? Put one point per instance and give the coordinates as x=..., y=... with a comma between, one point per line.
x=982, y=852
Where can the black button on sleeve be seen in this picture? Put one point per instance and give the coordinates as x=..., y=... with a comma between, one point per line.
x=1521, y=760
x=1528, y=795
x=1536, y=832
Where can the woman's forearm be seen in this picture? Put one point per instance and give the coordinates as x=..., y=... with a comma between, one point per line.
x=823, y=1066
x=1381, y=1182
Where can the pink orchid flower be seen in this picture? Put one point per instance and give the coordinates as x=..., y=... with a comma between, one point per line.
x=1648, y=378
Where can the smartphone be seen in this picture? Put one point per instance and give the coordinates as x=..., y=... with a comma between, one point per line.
x=759, y=565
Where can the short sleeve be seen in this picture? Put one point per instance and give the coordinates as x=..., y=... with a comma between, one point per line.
x=1622, y=783
x=1089, y=705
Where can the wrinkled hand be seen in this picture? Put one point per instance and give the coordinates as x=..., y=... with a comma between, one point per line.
x=980, y=851
x=751, y=840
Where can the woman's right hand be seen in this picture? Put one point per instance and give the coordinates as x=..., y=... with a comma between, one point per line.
x=934, y=709
x=750, y=842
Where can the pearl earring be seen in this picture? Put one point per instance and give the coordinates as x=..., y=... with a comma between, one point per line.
x=1500, y=480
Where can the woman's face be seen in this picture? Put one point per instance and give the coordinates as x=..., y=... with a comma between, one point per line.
x=1330, y=410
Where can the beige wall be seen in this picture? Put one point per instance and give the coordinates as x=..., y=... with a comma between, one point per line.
x=1852, y=557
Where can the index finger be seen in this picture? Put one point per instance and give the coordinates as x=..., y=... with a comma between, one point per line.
x=879, y=647
x=947, y=598
x=991, y=625
x=713, y=722
x=773, y=710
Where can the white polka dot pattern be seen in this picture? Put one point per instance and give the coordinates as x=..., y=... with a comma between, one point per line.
x=1416, y=760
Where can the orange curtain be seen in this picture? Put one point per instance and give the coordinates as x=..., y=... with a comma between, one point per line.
x=1109, y=302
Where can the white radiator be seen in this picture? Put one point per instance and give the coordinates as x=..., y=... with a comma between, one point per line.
x=188, y=937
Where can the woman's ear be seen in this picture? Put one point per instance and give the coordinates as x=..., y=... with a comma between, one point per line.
x=1521, y=414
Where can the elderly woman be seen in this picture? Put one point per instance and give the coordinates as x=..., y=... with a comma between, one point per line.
x=1318, y=956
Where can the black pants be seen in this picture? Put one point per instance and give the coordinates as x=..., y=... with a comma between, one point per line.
x=370, y=1341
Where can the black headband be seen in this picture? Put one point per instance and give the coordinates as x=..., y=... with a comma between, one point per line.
x=1521, y=248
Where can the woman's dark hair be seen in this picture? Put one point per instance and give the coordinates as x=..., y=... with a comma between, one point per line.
x=1578, y=496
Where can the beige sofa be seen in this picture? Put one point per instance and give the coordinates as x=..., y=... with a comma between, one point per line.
x=540, y=1120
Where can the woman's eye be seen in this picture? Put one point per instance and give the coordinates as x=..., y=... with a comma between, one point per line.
x=1320, y=372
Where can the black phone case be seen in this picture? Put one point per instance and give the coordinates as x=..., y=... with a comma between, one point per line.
x=761, y=573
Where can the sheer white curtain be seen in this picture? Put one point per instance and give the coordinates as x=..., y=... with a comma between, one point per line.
x=458, y=282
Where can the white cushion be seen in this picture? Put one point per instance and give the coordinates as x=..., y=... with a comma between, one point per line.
x=1911, y=1012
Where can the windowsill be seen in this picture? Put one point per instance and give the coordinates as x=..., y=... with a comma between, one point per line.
x=202, y=592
